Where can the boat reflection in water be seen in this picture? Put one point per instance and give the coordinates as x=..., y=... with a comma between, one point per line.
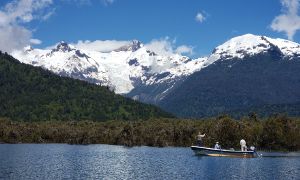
x=204, y=151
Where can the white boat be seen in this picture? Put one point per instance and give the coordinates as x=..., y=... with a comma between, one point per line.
x=205, y=151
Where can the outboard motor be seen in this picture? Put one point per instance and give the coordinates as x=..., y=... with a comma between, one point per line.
x=252, y=148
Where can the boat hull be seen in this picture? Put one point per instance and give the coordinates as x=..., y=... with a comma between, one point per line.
x=204, y=151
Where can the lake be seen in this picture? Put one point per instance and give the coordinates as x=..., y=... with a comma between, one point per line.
x=62, y=161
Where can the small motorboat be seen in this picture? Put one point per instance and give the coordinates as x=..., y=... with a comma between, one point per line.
x=205, y=151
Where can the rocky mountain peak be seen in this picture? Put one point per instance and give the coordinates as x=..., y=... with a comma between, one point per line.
x=63, y=47
x=133, y=46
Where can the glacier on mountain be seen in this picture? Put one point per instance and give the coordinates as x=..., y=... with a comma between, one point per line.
x=118, y=69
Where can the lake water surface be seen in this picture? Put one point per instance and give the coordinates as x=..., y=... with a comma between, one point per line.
x=61, y=161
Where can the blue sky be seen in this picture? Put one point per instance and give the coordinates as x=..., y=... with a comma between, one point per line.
x=145, y=20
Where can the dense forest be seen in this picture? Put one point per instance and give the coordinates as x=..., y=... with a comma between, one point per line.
x=276, y=132
x=30, y=93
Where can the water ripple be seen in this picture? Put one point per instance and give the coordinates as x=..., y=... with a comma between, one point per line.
x=61, y=161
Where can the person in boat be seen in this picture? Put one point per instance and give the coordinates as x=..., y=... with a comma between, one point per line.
x=243, y=145
x=199, y=139
x=217, y=146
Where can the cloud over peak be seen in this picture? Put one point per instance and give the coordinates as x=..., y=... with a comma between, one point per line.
x=166, y=46
x=289, y=21
x=101, y=46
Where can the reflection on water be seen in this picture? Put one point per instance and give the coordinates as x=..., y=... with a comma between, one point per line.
x=279, y=154
x=60, y=161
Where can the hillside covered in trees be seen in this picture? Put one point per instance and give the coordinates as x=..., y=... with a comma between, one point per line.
x=29, y=93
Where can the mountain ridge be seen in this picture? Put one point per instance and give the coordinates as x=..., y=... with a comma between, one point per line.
x=118, y=69
x=267, y=78
x=136, y=72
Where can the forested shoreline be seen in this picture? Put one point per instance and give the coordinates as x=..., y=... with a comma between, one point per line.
x=277, y=132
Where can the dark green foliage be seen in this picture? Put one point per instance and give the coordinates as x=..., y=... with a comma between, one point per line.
x=280, y=131
x=274, y=133
x=33, y=94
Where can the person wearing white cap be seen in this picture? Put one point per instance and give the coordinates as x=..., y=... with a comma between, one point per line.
x=217, y=146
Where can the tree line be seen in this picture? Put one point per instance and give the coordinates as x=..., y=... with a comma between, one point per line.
x=277, y=132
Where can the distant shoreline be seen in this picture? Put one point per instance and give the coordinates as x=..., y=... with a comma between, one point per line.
x=273, y=134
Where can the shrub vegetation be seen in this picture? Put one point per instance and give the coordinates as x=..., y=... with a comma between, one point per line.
x=274, y=133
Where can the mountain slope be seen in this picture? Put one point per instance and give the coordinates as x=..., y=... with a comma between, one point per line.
x=31, y=93
x=125, y=69
x=247, y=72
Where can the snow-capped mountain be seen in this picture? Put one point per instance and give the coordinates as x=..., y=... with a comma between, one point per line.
x=247, y=73
x=122, y=69
x=249, y=45
x=139, y=73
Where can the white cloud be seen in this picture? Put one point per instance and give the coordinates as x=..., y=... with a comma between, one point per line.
x=200, y=17
x=161, y=46
x=289, y=21
x=13, y=37
x=101, y=46
x=184, y=49
x=107, y=2
x=35, y=41
x=13, y=17
x=166, y=46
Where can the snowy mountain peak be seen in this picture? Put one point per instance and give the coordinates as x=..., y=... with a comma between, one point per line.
x=240, y=46
x=249, y=44
x=133, y=46
x=63, y=47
